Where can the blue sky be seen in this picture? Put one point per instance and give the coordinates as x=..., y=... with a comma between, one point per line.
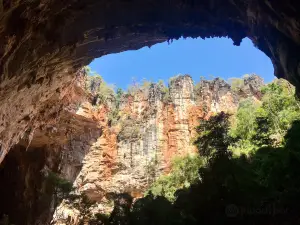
x=214, y=57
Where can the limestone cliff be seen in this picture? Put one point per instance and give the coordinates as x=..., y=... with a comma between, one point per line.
x=155, y=125
x=103, y=155
x=26, y=192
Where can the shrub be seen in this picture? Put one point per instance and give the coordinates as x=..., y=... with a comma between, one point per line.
x=245, y=117
x=101, y=91
x=60, y=186
x=236, y=83
x=184, y=172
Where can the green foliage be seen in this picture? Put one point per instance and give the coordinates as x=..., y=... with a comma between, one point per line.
x=184, y=172
x=166, y=97
x=146, y=83
x=242, y=147
x=172, y=79
x=279, y=106
x=88, y=70
x=265, y=124
x=245, y=76
x=262, y=136
x=253, y=187
x=119, y=95
x=161, y=83
x=154, y=210
x=95, y=85
x=245, y=125
x=213, y=136
x=198, y=87
x=61, y=186
x=151, y=168
x=260, y=185
x=105, y=93
x=136, y=86
x=236, y=83
x=114, y=114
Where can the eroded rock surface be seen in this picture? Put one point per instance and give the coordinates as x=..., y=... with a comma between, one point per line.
x=27, y=197
x=155, y=126
x=104, y=158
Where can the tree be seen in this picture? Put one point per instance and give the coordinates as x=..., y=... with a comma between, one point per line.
x=280, y=107
x=114, y=113
x=100, y=90
x=121, y=212
x=184, y=172
x=244, y=125
x=152, y=210
x=236, y=83
x=146, y=83
x=60, y=186
x=213, y=135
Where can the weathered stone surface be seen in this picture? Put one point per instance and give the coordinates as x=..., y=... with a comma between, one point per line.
x=252, y=85
x=152, y=130
x=43, y=43
x=103, y=159
x=26, y=196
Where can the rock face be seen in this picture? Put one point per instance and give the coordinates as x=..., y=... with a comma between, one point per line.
x=26, y=194
x=103, y=158
x=155, y=126
x=43, y=43
x=128, y=157
x=217, y=95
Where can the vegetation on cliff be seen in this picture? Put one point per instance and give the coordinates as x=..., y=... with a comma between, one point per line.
x=184, y=172
x=98, y=88
x=249, y=171
x=265, y=123
x=246, y=170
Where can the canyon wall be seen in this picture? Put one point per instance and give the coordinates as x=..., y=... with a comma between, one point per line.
x=106, y=149
x=155, y=124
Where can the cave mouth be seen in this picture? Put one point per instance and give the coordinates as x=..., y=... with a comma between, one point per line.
x=42, y=50
x=25, y=193
x=209, y=58
x=22, y=167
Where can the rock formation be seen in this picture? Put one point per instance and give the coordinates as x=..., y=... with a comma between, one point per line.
x=43, y=43
x=155, y=126
x=26, y=195
x=103, y=159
